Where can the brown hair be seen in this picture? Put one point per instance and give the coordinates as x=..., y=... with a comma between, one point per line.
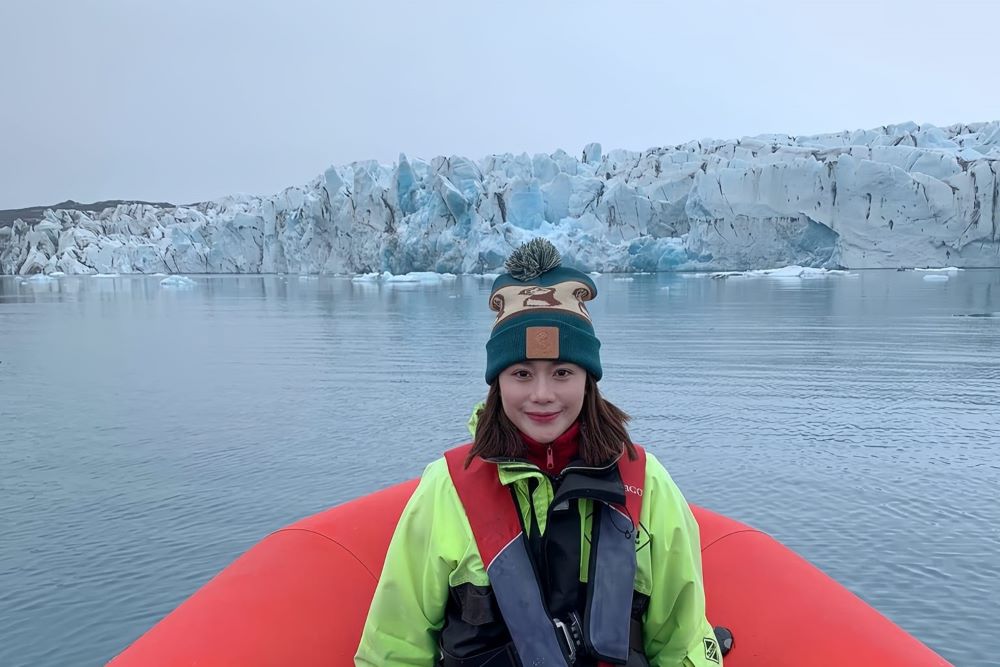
x=602, y=429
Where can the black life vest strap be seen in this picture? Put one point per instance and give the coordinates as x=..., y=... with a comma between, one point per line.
x=609, y=586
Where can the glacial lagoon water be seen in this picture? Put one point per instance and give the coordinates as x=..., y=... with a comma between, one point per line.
x=149, y=435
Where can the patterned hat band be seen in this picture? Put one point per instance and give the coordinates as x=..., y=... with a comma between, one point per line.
x=515, y=300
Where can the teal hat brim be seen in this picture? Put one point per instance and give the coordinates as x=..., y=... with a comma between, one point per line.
x=577, y=343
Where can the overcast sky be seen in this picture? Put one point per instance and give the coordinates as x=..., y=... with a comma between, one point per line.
x=186, y=100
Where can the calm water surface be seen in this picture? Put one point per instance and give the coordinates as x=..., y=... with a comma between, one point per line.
x=150, y=435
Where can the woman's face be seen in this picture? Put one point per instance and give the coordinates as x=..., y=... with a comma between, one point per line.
x=542, y=398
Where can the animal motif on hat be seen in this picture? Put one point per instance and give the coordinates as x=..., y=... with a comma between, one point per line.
x=540, y=296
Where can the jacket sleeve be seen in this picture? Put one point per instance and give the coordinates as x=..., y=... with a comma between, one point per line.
x=676, y=632
x=408, y=609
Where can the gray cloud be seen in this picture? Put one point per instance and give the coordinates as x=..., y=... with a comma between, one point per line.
x=185, y=101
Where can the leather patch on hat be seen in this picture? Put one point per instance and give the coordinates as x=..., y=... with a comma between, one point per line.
x=541, y=342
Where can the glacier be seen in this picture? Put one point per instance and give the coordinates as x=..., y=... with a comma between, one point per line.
x=904, y=195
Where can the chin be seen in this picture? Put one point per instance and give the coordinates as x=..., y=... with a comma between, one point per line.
x=544, y=434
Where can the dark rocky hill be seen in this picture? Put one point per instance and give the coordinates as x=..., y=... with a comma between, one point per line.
x=34, y=213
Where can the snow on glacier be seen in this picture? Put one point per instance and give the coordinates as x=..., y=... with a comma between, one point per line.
x=903, y=195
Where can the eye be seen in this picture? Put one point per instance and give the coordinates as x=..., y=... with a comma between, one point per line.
x=521, y=374
x=563, y=372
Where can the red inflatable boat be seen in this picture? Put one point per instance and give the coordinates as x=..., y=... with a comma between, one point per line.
x=300, y=597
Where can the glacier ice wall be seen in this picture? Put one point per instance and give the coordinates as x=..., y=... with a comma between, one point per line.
x=896, y=196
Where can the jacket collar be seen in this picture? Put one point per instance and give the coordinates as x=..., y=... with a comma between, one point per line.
x=560, y=451
x=513, y=469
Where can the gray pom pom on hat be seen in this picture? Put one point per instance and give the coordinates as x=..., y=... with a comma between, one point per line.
x=532, y=259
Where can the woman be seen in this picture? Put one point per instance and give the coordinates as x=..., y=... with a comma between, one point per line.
x=552, y=539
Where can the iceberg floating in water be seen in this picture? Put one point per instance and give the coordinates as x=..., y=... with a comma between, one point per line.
x=411, y=278
x=936, y=278
x=896, y=196
x=793, y=271
x=423, y=277
x=40, y=279
x=178, y=281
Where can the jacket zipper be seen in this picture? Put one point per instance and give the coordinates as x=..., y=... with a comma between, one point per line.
x=550, y=464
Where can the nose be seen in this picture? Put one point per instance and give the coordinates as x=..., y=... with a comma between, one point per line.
x=541, y=390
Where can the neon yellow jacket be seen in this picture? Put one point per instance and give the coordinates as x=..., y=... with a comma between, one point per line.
x=433, y=549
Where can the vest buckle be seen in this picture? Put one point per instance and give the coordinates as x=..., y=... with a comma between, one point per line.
x=572, y=634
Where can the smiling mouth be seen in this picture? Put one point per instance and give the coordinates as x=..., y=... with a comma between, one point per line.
x=542, y=417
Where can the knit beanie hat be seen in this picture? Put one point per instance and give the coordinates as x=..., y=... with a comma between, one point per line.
x=541, y=312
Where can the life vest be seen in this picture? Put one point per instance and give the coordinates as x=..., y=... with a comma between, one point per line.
x=607, y=631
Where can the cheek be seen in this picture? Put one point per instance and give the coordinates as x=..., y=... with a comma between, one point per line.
x=505, y=404
x=508, y=398
x=574, y=397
